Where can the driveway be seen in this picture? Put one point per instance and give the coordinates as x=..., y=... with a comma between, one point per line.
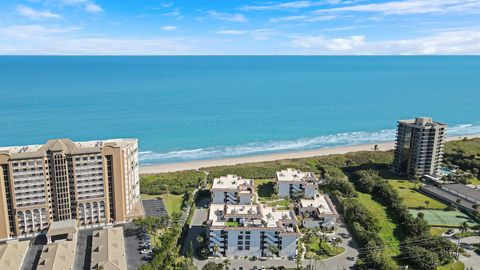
x=474, y=260
x=196, y=227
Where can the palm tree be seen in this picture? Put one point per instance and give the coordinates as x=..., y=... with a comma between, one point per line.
x=336, y=242
x=322, y=238
x=459, y=202
x=463, y=228
x=427, y=202
x=227, y=263
x=200, y=239
x=273, y=249
x=216, y=248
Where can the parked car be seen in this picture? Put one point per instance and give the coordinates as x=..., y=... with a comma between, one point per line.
x=146, y=251
x=467, y=246
x=449, y=233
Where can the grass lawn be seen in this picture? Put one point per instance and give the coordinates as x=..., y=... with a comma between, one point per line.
x=315, y=252
x=232, y=224
x=444, y=218
x=475, y=181
x=452, y=266
x=265, y=189
x=148, y=196
x=281, y=204
x=438, y=230
x=387, y=226
x=173, y=203
x=413, y=198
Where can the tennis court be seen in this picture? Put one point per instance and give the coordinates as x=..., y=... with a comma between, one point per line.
x=444, y=218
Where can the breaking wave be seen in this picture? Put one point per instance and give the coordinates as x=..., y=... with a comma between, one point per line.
x=254, y=148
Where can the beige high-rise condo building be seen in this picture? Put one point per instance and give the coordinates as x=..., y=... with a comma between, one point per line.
x=419, y=147
x=95, y=182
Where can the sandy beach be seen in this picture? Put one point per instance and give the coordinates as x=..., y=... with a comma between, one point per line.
x=194, y=165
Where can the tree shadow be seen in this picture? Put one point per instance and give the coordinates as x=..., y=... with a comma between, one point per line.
x=266, y=189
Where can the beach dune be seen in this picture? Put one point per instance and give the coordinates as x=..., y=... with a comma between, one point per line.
x=195, y=165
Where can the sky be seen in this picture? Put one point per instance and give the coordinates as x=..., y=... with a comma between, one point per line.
x=231, y=27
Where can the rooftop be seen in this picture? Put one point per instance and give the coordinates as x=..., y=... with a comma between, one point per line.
x=254, y=216
x=62, y=227
x=321, y=203
x=108, y=249
x=293, y=175
x=463, y=189
x=59, y=256
x=232, y=181
x=65, y=145
x=421, y=121
x=12, y=254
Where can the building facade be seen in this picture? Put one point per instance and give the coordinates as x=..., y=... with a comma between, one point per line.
x=292, y=183
x=232, y=189
x=419, y=147
x=94, y=182
x=252, y=231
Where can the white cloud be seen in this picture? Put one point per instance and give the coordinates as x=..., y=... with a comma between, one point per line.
x=412, y=7
x=36, y=14
x=453, y=42
x=41, y=40
x=33, y=31
x=256, y=34
x=232, y=17
x=303, y=18
x=93, y=8
x=88, y=5
x=335, y=44
x=232, y=32
x=176, y=13
x=294, y=5
x=168, y=27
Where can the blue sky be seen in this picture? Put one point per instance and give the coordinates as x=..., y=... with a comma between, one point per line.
x=135, y=27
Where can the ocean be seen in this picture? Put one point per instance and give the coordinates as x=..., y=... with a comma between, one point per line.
x=186, y=108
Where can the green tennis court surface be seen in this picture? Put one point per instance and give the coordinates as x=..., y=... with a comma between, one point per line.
x=444, y=218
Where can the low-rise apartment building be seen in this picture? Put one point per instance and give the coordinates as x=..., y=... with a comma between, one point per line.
x=252, y=231
x=12, y=254
x=318, y=212
x=94, y=182
x=108, y=249
x=232, y=189
x=295, y=183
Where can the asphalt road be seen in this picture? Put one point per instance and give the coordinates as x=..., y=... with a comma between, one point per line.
x=474, y=260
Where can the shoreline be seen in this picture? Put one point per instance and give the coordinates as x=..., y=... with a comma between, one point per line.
x=197, y=164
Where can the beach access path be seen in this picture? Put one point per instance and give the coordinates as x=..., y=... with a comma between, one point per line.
x=195, y=165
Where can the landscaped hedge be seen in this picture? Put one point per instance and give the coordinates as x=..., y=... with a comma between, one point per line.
x=177, y=183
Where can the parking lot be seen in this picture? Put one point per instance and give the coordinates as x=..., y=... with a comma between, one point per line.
x=154, y=208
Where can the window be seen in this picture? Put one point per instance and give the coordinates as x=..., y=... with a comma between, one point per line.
x=240, y=248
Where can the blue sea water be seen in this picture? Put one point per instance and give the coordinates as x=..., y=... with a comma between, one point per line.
x=202, y=107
